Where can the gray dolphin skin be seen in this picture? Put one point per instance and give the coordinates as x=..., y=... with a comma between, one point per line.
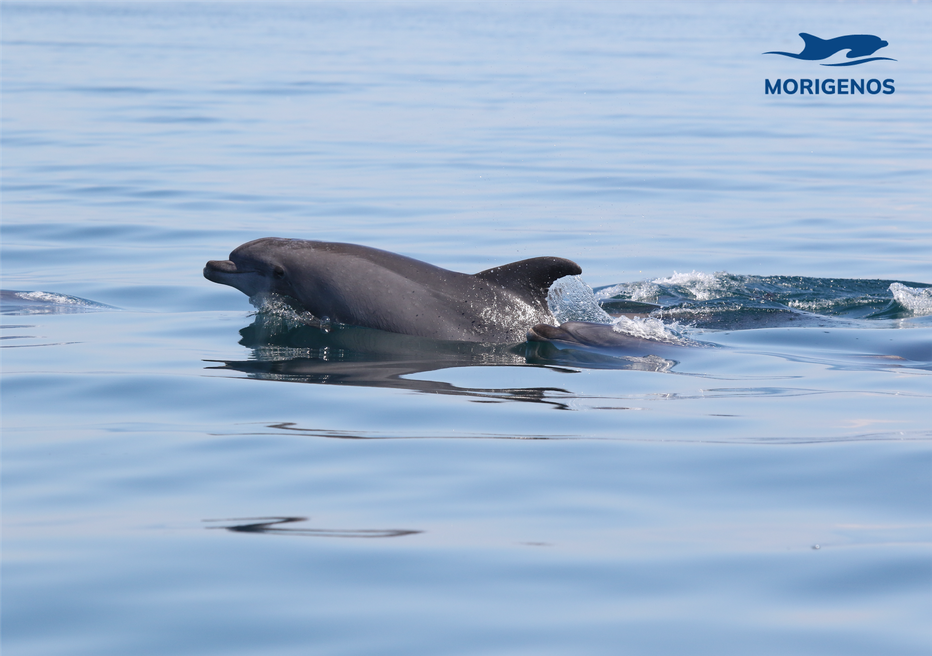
x=363, y=286
x=596, y=336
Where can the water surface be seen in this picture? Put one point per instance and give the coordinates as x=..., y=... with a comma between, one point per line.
x=183, y=474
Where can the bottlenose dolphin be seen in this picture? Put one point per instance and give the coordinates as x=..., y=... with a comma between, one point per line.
x=858, y=45
x=363, y=286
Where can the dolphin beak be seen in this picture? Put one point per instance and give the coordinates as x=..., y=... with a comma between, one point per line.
x=226, y=272
x=215, y=270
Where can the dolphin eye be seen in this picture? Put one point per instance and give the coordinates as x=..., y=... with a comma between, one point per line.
x=278, y=272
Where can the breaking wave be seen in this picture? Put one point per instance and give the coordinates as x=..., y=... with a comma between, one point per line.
x=917, y=301
x=696, y=296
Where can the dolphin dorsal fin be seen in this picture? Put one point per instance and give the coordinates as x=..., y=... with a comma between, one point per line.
x=531, y=278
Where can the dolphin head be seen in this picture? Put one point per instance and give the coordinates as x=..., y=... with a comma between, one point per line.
x=578, y=333
x=254, y=268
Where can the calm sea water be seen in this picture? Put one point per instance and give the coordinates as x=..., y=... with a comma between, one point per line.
x=183, y=475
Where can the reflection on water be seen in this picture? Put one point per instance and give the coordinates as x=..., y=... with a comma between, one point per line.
x=365, y=357
x=269, y=526
x=294, y=429
x=382, y=374
x=354, y=356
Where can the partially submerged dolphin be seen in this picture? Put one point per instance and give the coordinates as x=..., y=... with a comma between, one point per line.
x=363, y=286
x=598, y=337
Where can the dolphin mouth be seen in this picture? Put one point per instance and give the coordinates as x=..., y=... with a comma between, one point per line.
x=226, y=272
x=216, y=270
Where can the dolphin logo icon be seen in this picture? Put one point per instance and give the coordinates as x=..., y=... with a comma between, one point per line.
x=857, y=45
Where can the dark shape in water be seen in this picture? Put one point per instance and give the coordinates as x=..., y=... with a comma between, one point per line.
x=599, y=336
x=265, y=525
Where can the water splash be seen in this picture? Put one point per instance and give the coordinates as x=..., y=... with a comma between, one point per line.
x=917, y=301
x=284, y=314
x=653, y=329
x=571, y=299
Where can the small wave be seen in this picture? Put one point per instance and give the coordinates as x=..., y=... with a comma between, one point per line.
x=641, y=292
x=696, y=285
x=749, y=300
x=917, y=301
x=38, y=302
x=51, y=298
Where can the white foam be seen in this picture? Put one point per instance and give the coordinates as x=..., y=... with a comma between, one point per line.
x=702, y=286
x=696, y=285
x=649, y=328
x=643, y=292
x=918, y=301
x=812, y=306
x=57, y=299
x=60, y=300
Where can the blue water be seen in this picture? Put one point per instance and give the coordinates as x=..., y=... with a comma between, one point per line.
x=182, y=474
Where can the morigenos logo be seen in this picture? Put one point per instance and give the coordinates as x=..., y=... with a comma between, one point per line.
x=859, y=48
